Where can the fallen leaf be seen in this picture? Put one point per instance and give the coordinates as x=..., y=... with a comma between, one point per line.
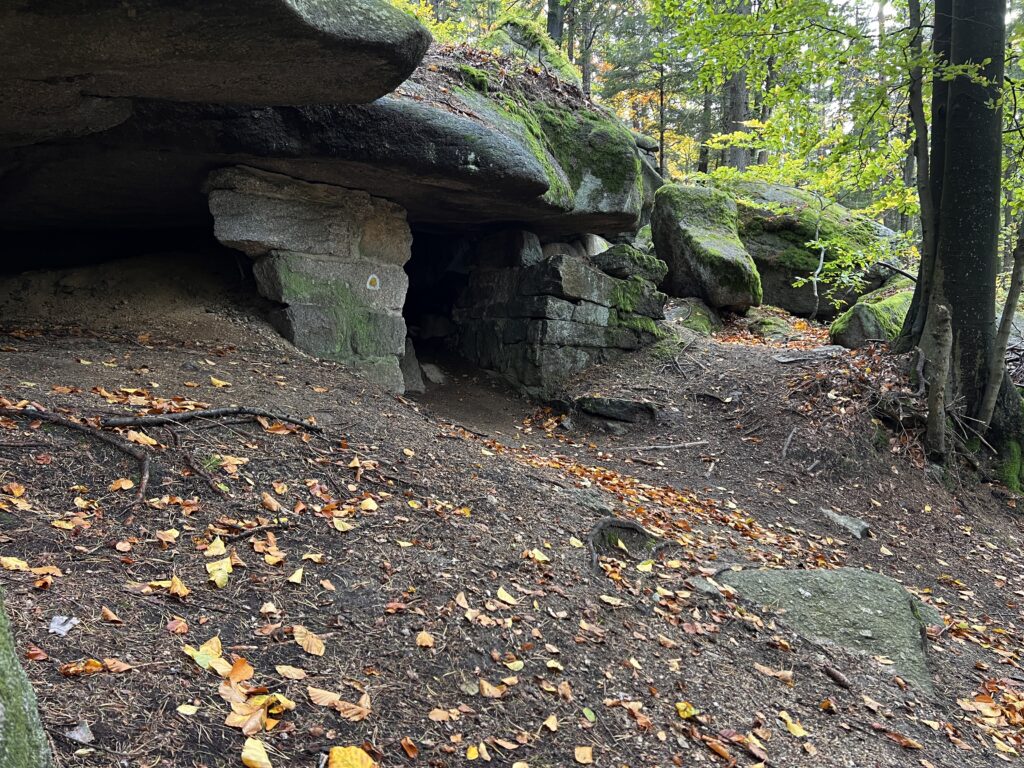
x=219, y=383
x=311, y=643
x=410, y=747
x=296, y=578
x=686, y=710
x=254, y=754
x=121, y=484
x=109, y=616
x=290, y=673
x=140, y=438
x=425, y=640
x=349, y=757
x=505, y=597
x=793, y=726
x=584, y=755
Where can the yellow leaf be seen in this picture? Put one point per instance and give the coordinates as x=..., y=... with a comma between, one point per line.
x=472, y=753
x=290, y=673
x=13, y=564
x=121, y=484
x=178, y=588
x=574, y=542
x=551, y=723
x=254, y=754
x=349, y=757
x=341, y=525
x=296, y=578
x=584, y=755
x=187, y=709
x=611, y=600
x=505, y=597
x=368, y=505
x=314, y=557
x=219, y=383
x=686, y=710
x=539, y=556
x=793, y=726
x=646, y=566
x=216, y=548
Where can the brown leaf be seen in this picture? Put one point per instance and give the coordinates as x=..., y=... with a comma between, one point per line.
x=109, y=616
x=410, y=748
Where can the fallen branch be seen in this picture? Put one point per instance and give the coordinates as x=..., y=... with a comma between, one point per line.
x=897, y=270
x=209, y=413
x=139, y=454
x=669, y=447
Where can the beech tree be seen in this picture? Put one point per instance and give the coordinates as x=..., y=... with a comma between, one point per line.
x=960, y=182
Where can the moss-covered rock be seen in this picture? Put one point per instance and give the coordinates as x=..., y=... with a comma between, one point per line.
x=877, y=316
x=22, y=742
x=625, y=261
x=693, y=314
x=517, y=35
x=695, y=234
x=776, y=222
x=644, y=240
x=770, y=325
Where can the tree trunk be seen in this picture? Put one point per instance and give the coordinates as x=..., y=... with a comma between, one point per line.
x=969, y=213
x=704, y=158
x=931, y=167
x=556, y=21
x=570, y=32
x=738, y=107
x=662, y=162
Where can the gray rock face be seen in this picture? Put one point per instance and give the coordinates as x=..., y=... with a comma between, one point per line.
x=540, y=322
x=458, y=157
x=22, y=741
x=861, y=611
x=694, y=231
x=775, y=224
x=624, y=261
x=331, y=258
x=54, y=52
x=412, y=374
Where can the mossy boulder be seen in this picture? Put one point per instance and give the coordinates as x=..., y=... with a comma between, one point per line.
x=22, y=741
x=693, y=314
x=521, y=36
x=695, y=234
x=625, y=261
x=877, y=316
x=776, y=222
x=770, y=325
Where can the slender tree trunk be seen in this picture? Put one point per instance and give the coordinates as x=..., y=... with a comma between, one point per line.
x=765, y=111
x=704, y=158
x=933, y=168
x=966, y=258
x=661, y=121
x=997, y=364
x=570, y=33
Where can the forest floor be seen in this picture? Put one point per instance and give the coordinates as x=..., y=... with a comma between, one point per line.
x=412, y=576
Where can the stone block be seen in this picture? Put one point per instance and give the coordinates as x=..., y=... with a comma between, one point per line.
x=569, y=278
x=412, y=375
x=290, y=277
x=258, y=212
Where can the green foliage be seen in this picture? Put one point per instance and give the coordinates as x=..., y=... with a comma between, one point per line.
x=449, y=31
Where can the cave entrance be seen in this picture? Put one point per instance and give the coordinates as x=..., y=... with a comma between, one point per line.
x=438, y=273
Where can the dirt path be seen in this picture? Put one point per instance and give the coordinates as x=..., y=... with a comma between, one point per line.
x=446, y=573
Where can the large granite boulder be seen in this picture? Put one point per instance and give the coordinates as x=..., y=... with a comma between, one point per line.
x=22, y=741
x=877, y=316
x=72, y=68
x=861, y=611
x=776, y=222
x=457, y=145
x=694, y=230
